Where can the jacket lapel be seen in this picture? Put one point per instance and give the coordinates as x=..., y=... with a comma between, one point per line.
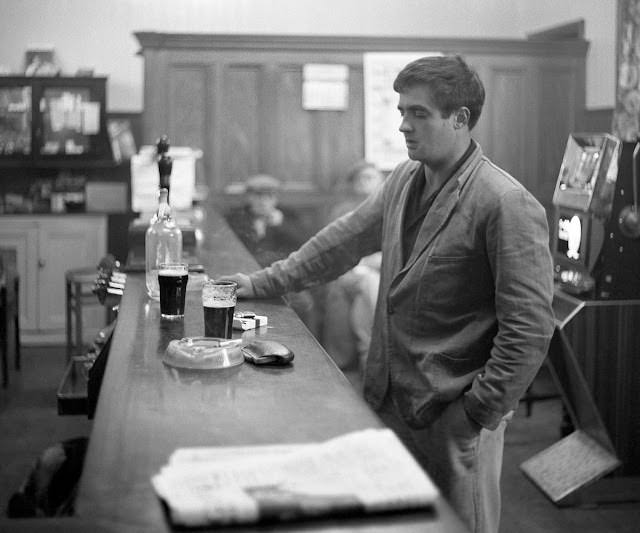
x=435, y=219
x=398, y=223
x=440, y=211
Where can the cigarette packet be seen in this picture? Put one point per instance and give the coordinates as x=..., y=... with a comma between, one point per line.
x=244, y=323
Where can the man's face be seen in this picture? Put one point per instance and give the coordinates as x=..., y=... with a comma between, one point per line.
x=262, y=203
x=430, y=137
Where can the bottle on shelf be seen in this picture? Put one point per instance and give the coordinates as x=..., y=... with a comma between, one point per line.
x=163, y=243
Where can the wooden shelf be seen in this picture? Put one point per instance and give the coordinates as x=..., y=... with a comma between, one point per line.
x=36, y=100
x=58, y=163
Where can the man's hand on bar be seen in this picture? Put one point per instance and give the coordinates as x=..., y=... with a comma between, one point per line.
x=245, y=287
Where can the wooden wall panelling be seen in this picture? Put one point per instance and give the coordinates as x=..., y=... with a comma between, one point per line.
x=530, y=109
x=242, y=138
x=187, y=107
x=293, y=127
x=508, y=97
x=607, y=350
x=155, y=116
x=340, y=137
x=188, y=97
x=559, y=98
x=627, y=416
x=213, y=159
x=481, y=131
x=260, y=123
x=315, y=147
x=254, y=121
x=267, y=98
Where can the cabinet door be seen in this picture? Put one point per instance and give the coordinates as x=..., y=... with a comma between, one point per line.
x=73, y=241
x=20, y=236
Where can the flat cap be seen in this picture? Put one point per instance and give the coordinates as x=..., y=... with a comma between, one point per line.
x=262, y=183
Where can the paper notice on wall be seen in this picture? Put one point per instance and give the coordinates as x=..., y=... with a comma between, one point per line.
x=90, y=117
x=325, y=87
x=56, y=116
x=384, y=144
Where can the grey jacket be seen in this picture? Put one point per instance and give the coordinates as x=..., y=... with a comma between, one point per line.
x=470, y=311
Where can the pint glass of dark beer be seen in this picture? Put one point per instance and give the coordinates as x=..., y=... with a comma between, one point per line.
x=172, y=279
x=219, y=303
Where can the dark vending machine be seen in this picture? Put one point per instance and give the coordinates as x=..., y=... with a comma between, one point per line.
x=617, y=271
x=593, y=355
x=596, y=231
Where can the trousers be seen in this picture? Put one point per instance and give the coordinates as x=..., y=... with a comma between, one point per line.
x=461, y=457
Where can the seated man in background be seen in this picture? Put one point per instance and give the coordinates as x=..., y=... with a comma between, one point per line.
x=350, y=300
x=271, y=232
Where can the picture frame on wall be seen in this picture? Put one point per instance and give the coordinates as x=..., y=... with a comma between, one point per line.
x=123, y=145
x=40, y=61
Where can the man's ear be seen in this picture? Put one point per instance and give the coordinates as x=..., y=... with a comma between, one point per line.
x=461, y=117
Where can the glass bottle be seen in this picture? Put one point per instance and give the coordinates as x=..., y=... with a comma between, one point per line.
x=163, y=243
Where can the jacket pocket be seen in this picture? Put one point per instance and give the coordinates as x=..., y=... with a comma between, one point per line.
x=453, y=285
x=444, y=379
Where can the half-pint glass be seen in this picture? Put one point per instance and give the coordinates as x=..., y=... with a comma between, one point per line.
x=172, y=279
x=219, y=304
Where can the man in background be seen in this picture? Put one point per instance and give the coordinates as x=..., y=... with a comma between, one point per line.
x=350, y=300
x=463, y=318
x=271, y=232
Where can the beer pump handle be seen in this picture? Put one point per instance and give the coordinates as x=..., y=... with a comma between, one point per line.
x=162, y=145
x=629, y=218
x=165, y=163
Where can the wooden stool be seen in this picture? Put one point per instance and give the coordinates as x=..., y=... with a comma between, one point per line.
x=79, y=293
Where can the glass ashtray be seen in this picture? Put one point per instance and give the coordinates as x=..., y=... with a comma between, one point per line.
x=204, y=353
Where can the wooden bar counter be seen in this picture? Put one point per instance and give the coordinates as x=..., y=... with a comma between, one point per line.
x=147, y=409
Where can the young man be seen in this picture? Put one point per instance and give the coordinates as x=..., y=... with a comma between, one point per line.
x=463, y=317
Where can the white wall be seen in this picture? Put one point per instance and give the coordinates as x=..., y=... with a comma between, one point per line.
x=99, y=33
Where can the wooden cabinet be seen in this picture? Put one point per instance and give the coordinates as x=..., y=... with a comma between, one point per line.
x=239, y=99
x=46, y=247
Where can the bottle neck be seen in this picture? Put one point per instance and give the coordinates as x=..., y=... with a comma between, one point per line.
x=164, y=209
x=164, y=212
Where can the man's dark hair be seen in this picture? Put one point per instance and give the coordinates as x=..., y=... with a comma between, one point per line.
x=452, y=83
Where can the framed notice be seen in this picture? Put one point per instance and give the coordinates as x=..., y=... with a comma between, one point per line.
x=384, y=144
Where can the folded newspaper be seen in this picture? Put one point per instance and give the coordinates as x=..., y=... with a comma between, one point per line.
x=361, y=472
